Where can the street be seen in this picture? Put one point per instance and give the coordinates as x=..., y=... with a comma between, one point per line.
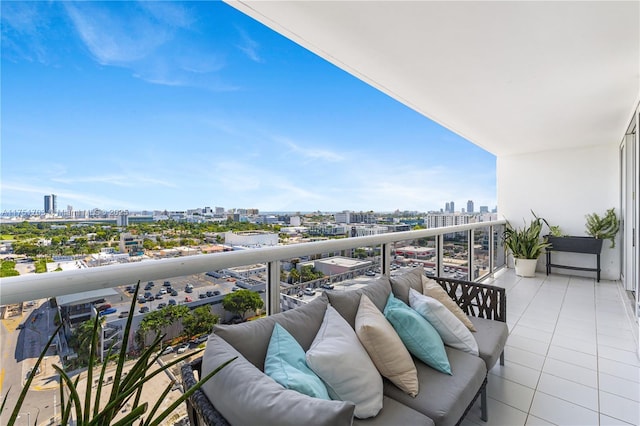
x=20, y=350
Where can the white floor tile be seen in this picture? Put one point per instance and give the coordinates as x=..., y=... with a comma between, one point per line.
x=510, y=393
x=536, y=346
x=558, y=411
x=536, y=421
x=569, y=391
x=618, y=355
x=620, y=408
x=586, y=373
x=619, y=369
x=575, y=343
x=617, y=342
x=610, y=421
x=520, y=374
x=523, y=357
x=532, y=333
x=621, y=387
x=570, y=371
x=573, y=357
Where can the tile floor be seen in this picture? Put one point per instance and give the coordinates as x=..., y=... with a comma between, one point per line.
x=571, y=357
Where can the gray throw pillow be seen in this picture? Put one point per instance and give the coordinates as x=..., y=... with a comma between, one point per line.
x=402, y=283
x=346, y=302
x=245, y=395
x=251, y=338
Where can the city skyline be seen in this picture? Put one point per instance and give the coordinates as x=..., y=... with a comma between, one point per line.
x=153, y=106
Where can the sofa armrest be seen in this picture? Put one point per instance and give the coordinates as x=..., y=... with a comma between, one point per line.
x=199, y=408
x=475, y=299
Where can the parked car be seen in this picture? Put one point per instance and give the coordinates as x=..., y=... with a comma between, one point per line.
x=370, y=274
x=167, y=350
x=172, y=302
x=188, y=299
x=108, y=311
x=202, y=339
x=103, y=307
x=144, y=309
x=131, y=289
x=327, y=286
x=216, y=292
x=162, y=305
x=182, y=349
x=147, y=294
x=202, y=296
x=151, y=298
x=123, y=314
x=142, y=299
x=162, y=291
x=159, y=296
x=235, y=288
x=167, y=283
x=174, y=292
x=210, y=293
x=309, y=291
x=188, y=289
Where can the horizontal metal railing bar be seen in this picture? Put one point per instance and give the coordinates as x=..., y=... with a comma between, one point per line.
x=37, y=286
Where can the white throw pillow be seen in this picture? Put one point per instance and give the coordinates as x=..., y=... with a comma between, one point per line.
x=385, y=348
x=432, y=289
x=453, y=332
x=338, y=358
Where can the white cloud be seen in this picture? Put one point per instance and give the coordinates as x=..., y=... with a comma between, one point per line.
x=249, y=46
x=311, y=152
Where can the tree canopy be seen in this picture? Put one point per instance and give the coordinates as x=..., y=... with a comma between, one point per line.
x=242, y=301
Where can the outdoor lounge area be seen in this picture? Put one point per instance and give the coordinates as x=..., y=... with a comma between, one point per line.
x=570, y=356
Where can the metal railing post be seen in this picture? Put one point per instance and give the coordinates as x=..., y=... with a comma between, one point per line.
x=470, y=252
x=439, y=254
x=385, y=259
x=272, y=288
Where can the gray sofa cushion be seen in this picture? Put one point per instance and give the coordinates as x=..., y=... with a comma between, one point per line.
x=442, y=397
x=491, y=337
x=394, y=413
x=347, y=302
x=402, y=283
x=251, y=338
x=245, y=395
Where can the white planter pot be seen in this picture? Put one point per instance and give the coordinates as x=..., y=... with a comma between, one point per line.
x=526, y=267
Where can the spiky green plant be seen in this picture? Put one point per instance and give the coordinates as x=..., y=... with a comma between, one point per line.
x=125, y=387
x=605, y=227
x=525, y=243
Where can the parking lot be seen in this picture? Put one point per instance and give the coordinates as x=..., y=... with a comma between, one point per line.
x=155, y=295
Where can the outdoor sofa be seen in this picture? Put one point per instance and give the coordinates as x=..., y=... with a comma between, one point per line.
x=241, y=393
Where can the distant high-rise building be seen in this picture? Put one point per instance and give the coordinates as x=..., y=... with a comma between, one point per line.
x=122, y=219
x=470, y=206
x=484, y=209
x=219, y=210
x=447, y=208
x=50, y=203
x=452, y=207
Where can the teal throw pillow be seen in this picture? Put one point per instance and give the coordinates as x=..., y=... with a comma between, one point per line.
x=285, y=363
x=420, y=338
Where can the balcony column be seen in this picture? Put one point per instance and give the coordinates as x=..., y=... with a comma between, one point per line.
x=272, y=290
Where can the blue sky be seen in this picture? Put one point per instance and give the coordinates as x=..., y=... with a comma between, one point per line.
x=169, y=105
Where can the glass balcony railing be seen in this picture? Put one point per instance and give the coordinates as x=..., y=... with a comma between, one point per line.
x=441, y=251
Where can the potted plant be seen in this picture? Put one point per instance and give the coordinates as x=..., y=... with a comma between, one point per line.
x=597, y=228
x=526, y=245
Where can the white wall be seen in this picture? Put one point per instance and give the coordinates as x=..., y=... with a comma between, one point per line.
x=563, y=186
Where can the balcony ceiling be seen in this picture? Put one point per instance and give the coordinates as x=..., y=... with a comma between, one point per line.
x=512, y=77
